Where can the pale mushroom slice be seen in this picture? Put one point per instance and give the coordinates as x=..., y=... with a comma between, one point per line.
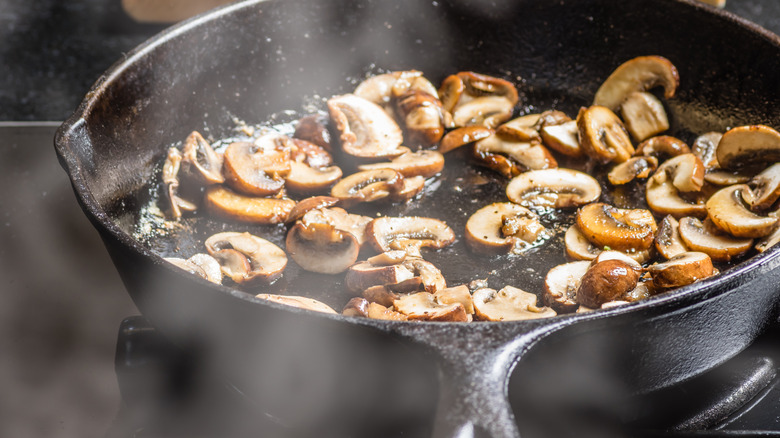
x=501, y=228
x=457, y=294
x=508, y=304
x=463, y=136
x=617, y=255
x=747, y=146
x=681, y=270
x=314, y=129
x=170, y=177
x=523, y=128
x=639, y=74
x=705, y=146
x=306, y=180
x=578, y=247
x=233, y=264
x=644, y=115
x=421, y=163
x=379, y=89
x=603, y=136
x=378, y=311
x=606, y=281
x=209, y=265
x=561, y=284
x=231, y=205
x=563, y=138
x=667, y=240
x=510, y=158
x=258, y=168
x=423, y=306
x=422, y=116
x=322, y=248
x=722, y=177
x=663, y=147
x=664, y=198
x=721, y=247
x=408, y=234
x=190, y=267
x=339, y=219
x=769, y=241
x=765, y=188
x=367, y=186
x=267, y=261
x=729, y=210
x=617, y=228
x=201, y=159
x=388, y=258
x=297, y=301
x=553, y=188
x=313, y=203
x=487, y=111
x=633, y=168
x=685, y=171
x=366, y=130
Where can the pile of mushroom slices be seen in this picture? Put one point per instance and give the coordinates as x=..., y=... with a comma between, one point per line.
x=706, y=203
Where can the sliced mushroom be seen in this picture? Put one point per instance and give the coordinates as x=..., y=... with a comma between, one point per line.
x=606, y=281
x=639, y=74
x=430, y=277
x=617, y=228
x=422, y=116
x=644, y=115
x=463, y=136
x=746, y=146
x=231, y=205
x=603, y=136
x=305, y=179
x=563, y=138
x=381, y=295
x=409, y=234
x=617, y=255
x=705, y=146
x=378, y=311
x=552, y=118
x=266, y=260
x=378, y=89
x=721, y=177
x=487, y=111
x=308, y=153
x=322, y=248
x=707, y=239
x=681, y=270
x=364, y=275
x=561, y=284
x=190, y=267
x=502, y=227
x=522, y=156
x=299, y=302
x=508, y=304
x=412, y=187
x=664, y=198
x=258, y=168
x=633, y=168
x=769, y=241
x=340, y=219
x=170, y=177
x=642, y=291
x=201, y=161
x=209, y=265
x=305, y=205
x=668, y=241
x=475, y=99
x=424, y=307
x=662, y=147
x=356, y=307
x=765, y=188
x=685, y=171
x=728, y=210
x=388, y=258
x=420, y=163
x=523, y=128
x=458, y=294
x=553, y=188
x=578, y=247
x=368, y=186
x=366, y=131
x=233, y=264
x=314, y=129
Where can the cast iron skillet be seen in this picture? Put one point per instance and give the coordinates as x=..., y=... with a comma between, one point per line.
x=254, y=58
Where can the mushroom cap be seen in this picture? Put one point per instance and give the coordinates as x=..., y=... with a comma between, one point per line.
x=423, y=306
x=634, y=167
x=664, y=198
x=662, y=147
x=322, y=248
x=421, y=163
x=728, y=211
x=606, y=281
x=522, y=128
x=463, y=136
x=339, y=219
x=306, y=179
x=667, y=240
x=365, y=129
x=686, y=172
x=719, y=246
x=748, y=145
x=561, y=284
x=508, y=304
x=368, y=186
x=603, y=136
x=485, y=228
x=299, y=302
x=639, y=74
x=408, y=233
x=563, y=138
x=258, y=168
x=267, y=261
x=644, y=115
x=199, y=154
x=556, y=188
x=231, y=205
x=305, y=205
x=765, y=187
x=623, y=229
x=681, y=270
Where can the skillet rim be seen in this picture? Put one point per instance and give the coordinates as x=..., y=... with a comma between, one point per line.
x=682, y=297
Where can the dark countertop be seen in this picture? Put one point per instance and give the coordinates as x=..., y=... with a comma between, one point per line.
x=63, y=299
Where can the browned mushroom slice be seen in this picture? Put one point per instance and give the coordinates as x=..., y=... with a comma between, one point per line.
x=365, y=129
x=420, y=163
x=603, y=136
x=305, y=205
x=368, y=186
x=508, y=304
x=412, y=187
x=378, y=311
x=502, y=227
x=356, y=307
x=523, y=128
x=522, y=155
x=617, y=228
x=431, y=278
x=477, y=84
x=339, y=219
x=267, y=261
x=204, y=163
x=728, y=210
x=422, y=116
x=314, y=129
x=423, y=307
x=634, y=167
x=308, y=153
x=606, y=281
x=668, y=241
x=305, y=179
x=578, y=247
x=409, y=234
x=381, y=295
x=458, y=294
x=364, y=275
x=561, y=284
x=170, y=177
x=233, y=264
x=463, y=136
x=746, y=146
x=644, y=115
x=450, y=91
x=488, y=111
x=639, y=74
x=388, y=258
x=563, y=138
x=299, y=302
x=705, y=146
x=322, y=248
x=681, y=270
x=662, y=147
x=231, y=205
x=707, y=239
x=769, y=241
x=685, y=171
x=553, y=188
x=258, y=168
x=378, y=89
x=664, y=198
x=552, y=118
x=722, y=177
x=765, y=187
x=475, y=99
